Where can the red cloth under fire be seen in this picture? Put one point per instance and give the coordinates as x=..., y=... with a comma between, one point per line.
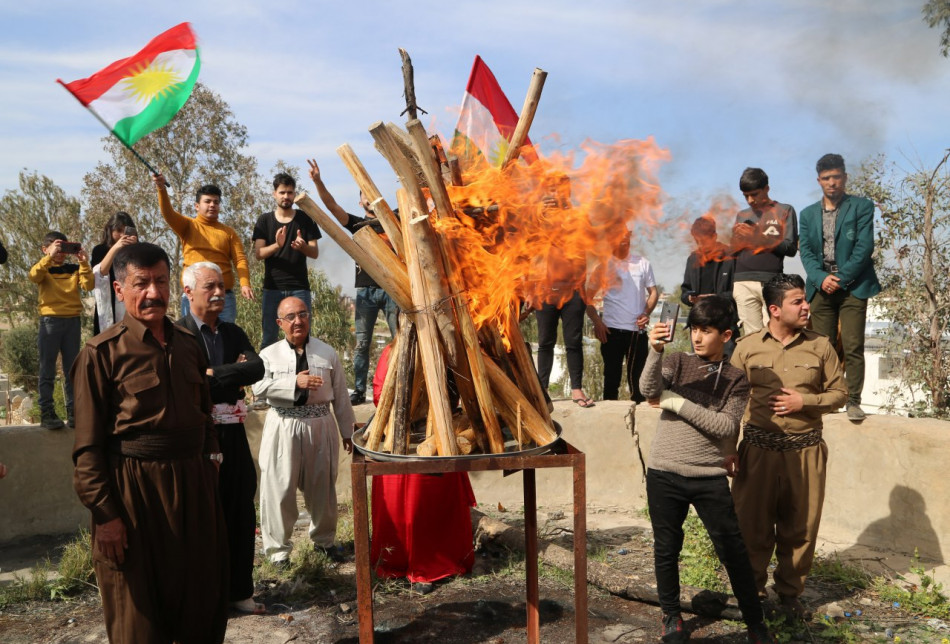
x=422, y=528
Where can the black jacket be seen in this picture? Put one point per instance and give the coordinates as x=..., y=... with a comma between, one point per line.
x=229, y=378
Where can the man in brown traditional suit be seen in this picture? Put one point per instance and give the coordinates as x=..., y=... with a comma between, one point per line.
x=147, y=458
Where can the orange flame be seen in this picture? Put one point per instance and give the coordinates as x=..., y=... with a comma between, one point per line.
x=536, y=233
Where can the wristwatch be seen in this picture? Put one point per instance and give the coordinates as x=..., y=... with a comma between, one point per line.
x=217, y=457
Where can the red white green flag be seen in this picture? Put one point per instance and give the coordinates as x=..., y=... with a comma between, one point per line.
x=137, y=95
x=487, y=121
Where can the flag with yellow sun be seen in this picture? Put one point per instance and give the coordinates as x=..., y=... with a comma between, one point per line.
x=137, y=95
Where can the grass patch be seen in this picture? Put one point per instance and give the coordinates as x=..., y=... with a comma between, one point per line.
x=925, y=599
x=699, y=564
x=831, y=570
x=45, y=581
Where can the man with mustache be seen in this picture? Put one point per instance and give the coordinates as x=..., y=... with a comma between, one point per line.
x=300, y=446
x=779, y=488
x=146, y=460
x=283, y=238
x=233, y=365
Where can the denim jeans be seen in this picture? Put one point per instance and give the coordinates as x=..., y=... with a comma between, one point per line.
x=669, y=496
x=571, y=316
x=57, y=336
x=228, y=314
x=270, y=301
x=370, y=300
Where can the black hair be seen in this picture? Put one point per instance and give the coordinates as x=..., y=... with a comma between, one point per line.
x=830, y=162
x=119, y=220
x=775, y=289
x=704, y=226
x=208, y=189
x=713, y=311
x=141, y=255
x=52, y=236
x=753, y=179
x=284, y=179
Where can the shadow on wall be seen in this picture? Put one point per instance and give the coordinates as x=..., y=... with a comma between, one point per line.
x=907, y=523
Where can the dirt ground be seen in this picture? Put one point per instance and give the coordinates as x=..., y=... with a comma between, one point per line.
x=486, y=606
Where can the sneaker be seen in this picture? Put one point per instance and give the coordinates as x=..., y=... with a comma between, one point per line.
x=673, y=629
x=357, y=398
x=281, y=564
x=855, y=413
x=794, y=607
x=422, y=587
x=759, y=634
x=333, y=553
x=51, y=421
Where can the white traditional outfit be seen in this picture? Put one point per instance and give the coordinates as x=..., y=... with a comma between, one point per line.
x=299, y=447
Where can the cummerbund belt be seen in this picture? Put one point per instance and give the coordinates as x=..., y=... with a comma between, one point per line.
x=778, y=441
x=304, y=411
x=160, y=446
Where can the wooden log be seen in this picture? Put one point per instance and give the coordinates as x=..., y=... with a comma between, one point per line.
x=371, y=193
x=371, y=242
x=509, y=398
x=525, y=373
x=433, y=362
x=405, y=369
x=380, y=272
x=483, y=412
x=416, y=224
x=409, y=83
x=526, y=117
x=464, y=439
x=386, y=398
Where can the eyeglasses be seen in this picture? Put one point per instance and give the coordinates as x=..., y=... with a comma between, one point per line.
x=302, y=315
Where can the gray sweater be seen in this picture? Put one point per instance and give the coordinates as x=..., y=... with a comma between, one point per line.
x=695, y=442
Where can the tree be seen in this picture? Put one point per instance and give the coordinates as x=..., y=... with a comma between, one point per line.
x=937, y=14
x=26, y=215
x=914, y=268
x=203, y=144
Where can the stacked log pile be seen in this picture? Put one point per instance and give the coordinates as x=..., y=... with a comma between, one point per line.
x=439, y=354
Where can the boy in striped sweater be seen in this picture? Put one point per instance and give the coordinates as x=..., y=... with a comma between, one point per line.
x=60, y=307
x=703, y=398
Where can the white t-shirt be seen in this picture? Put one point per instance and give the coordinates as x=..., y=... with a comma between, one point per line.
x=624, y=303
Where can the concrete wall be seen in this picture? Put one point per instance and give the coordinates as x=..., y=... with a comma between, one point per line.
x=887, y=485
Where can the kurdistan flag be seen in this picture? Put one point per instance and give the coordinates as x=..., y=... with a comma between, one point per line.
x=487, y=121
x=137, y=95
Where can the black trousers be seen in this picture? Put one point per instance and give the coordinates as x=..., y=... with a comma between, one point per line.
x=623, y=346
x=669, y=497
x=571, y=316
x=238, y=483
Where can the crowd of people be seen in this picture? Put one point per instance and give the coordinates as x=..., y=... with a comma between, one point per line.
x=163, y=463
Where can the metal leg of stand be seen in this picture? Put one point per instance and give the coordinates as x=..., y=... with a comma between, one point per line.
x=364, y=584
x=531, y=555
x=580, y=548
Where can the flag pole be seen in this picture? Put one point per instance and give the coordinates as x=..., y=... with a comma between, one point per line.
x=109, y=130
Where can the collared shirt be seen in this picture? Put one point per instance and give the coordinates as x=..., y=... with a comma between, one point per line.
x=626, y=301
x=128, y=385
x=808, y=364
x=829, y=220
x=214, y=343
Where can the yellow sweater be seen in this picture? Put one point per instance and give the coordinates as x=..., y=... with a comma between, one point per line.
x=207, y=241
x=59, y=286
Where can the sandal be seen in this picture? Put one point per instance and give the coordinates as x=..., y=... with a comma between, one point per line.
x=583, y=402
x=249, y=607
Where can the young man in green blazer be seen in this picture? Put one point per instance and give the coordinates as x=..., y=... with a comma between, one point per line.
x=836, y=237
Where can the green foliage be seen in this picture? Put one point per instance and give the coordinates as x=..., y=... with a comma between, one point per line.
x=26, y=215
x=20, y=356
x=913, y=265
x=925, y=599
x=331, y=319
x=937, y=14
x=699, y=564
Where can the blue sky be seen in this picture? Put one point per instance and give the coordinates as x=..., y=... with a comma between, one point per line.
x=721, y=84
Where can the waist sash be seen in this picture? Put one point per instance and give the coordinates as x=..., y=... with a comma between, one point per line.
x=780, y=441
x=161, y=445
x=304, y=411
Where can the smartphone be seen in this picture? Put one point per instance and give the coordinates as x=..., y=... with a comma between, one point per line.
x=70, y=248
x=668, y=315
x=130, y=231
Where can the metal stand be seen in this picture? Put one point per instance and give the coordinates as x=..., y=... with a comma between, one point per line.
x=562, y=455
